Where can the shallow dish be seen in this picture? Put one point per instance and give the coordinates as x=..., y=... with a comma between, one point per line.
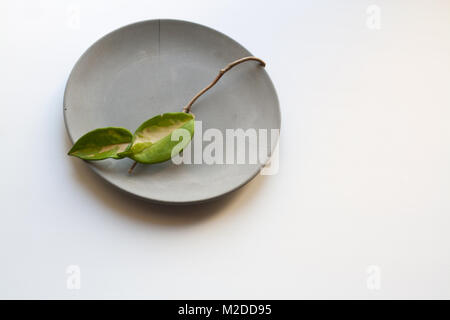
x=157, y=66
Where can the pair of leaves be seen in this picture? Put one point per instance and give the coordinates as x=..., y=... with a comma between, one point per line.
x=151, y=143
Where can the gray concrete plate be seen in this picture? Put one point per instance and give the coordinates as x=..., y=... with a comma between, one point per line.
x=157, y=66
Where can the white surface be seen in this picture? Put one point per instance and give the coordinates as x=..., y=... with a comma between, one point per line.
x=364, y=166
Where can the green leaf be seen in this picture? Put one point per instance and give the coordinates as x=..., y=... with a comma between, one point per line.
x=152, y=141
x=102, y=143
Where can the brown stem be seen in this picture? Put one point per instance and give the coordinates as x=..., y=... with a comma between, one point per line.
x=132, y=167
x=187, y=108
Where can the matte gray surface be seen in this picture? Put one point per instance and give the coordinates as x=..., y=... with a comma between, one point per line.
x=154, y=67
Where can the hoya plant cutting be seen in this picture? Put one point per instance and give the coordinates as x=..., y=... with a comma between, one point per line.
x=152, y=142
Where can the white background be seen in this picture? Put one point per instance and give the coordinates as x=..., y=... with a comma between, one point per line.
x=364, y=175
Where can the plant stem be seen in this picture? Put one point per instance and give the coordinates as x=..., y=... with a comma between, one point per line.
x=132, y=167
x=222, y=71
x=187, y=108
